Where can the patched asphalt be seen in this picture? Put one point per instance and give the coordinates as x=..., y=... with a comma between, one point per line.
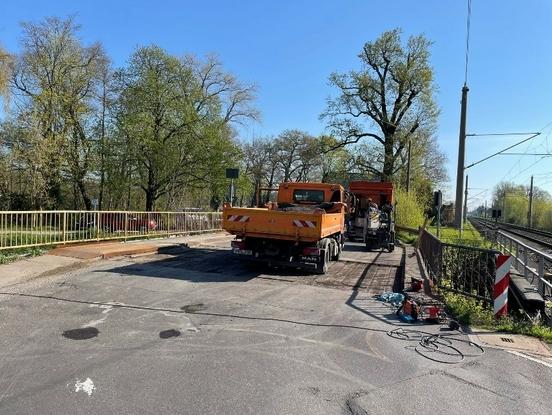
x=197, y=331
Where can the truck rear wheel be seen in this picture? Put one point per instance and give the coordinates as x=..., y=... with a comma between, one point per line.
x=336, y=247
x=324, y=264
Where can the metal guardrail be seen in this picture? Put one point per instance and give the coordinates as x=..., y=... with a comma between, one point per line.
x=533, y=264
x=463, y=269
x=20, y=229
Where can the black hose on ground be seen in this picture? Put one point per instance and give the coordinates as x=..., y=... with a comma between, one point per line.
x=431, y=344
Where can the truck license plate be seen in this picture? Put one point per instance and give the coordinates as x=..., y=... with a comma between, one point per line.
x=239, y=251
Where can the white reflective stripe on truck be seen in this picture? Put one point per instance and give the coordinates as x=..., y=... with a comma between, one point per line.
x=238, y=218
x=304, y=223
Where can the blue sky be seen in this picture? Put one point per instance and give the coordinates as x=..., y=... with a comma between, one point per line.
x=288, y=49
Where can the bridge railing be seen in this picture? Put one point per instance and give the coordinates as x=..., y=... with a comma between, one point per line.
x=19, y=229
x=533, y=264
x=463, y=269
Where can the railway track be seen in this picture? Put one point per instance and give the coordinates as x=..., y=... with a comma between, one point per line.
x=540, y=237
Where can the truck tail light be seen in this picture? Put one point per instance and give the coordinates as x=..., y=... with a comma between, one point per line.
x=238, y=244
x=311, y=251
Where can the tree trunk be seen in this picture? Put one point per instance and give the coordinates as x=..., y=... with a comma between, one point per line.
x=102, y=144
x=150, y=199
x=84, y=194
x=389, y=161
x=270, y=185
x=151, y=191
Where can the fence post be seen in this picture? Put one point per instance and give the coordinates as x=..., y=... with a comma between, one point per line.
x=64, y=226
x=502, y=281
x=126, y=225
x=540, y=282
x=168, y=224
x=98, y=226
x=525, y=264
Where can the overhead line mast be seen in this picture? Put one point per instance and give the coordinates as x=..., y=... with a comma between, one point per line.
x=458, y=214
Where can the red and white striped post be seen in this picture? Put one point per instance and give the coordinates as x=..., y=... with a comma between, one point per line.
x=502, y=281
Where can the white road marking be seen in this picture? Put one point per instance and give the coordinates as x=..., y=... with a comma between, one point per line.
x=94, y=323
x=533, y=359
x=86, y=386
x=184, y=323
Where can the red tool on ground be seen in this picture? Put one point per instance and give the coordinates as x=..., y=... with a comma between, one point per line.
x=417, y=306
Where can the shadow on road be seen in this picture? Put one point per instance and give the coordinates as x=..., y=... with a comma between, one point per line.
x=195, y=265
x=219, y=265
x=209, y=265
x=366, y=305
x=356, y=247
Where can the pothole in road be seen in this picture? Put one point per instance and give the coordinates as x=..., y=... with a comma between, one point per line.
x=193, y=308
x=84, y=333
x=167, y=334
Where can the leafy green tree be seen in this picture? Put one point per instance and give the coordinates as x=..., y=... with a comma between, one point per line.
x=513, y=200
x=389, y=100
x=173, y=112
x=56, y=80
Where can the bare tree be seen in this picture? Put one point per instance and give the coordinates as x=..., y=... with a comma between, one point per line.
x=388, y=100
x=6, y=68
x=296, y=155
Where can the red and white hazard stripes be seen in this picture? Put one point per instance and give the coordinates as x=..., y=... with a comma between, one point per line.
x=502, y=281
x=304, y=223
x=238, y=218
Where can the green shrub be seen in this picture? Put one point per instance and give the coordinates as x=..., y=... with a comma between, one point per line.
x=11, y=255
x=470, y=236
x=477, y=313
x=409, y=210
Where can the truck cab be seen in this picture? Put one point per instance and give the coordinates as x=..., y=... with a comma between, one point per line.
x=305, y=194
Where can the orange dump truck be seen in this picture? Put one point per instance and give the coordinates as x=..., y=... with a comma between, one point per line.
x=303, y=229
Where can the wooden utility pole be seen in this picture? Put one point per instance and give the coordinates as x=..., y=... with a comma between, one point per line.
x=485, y=212
x=530, y=211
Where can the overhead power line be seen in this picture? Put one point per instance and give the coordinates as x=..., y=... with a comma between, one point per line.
x=526, y=154
x=502, y=151
x=492, y=134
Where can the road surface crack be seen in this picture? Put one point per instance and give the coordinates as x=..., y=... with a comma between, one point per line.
x=470, y=383
x=351, y=405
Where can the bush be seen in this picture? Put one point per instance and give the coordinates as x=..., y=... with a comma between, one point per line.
x=11, y=255
x=470, y=236
x=476, y=313
x=409, y=210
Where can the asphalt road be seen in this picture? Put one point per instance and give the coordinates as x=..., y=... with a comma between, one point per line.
x=199, y=333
